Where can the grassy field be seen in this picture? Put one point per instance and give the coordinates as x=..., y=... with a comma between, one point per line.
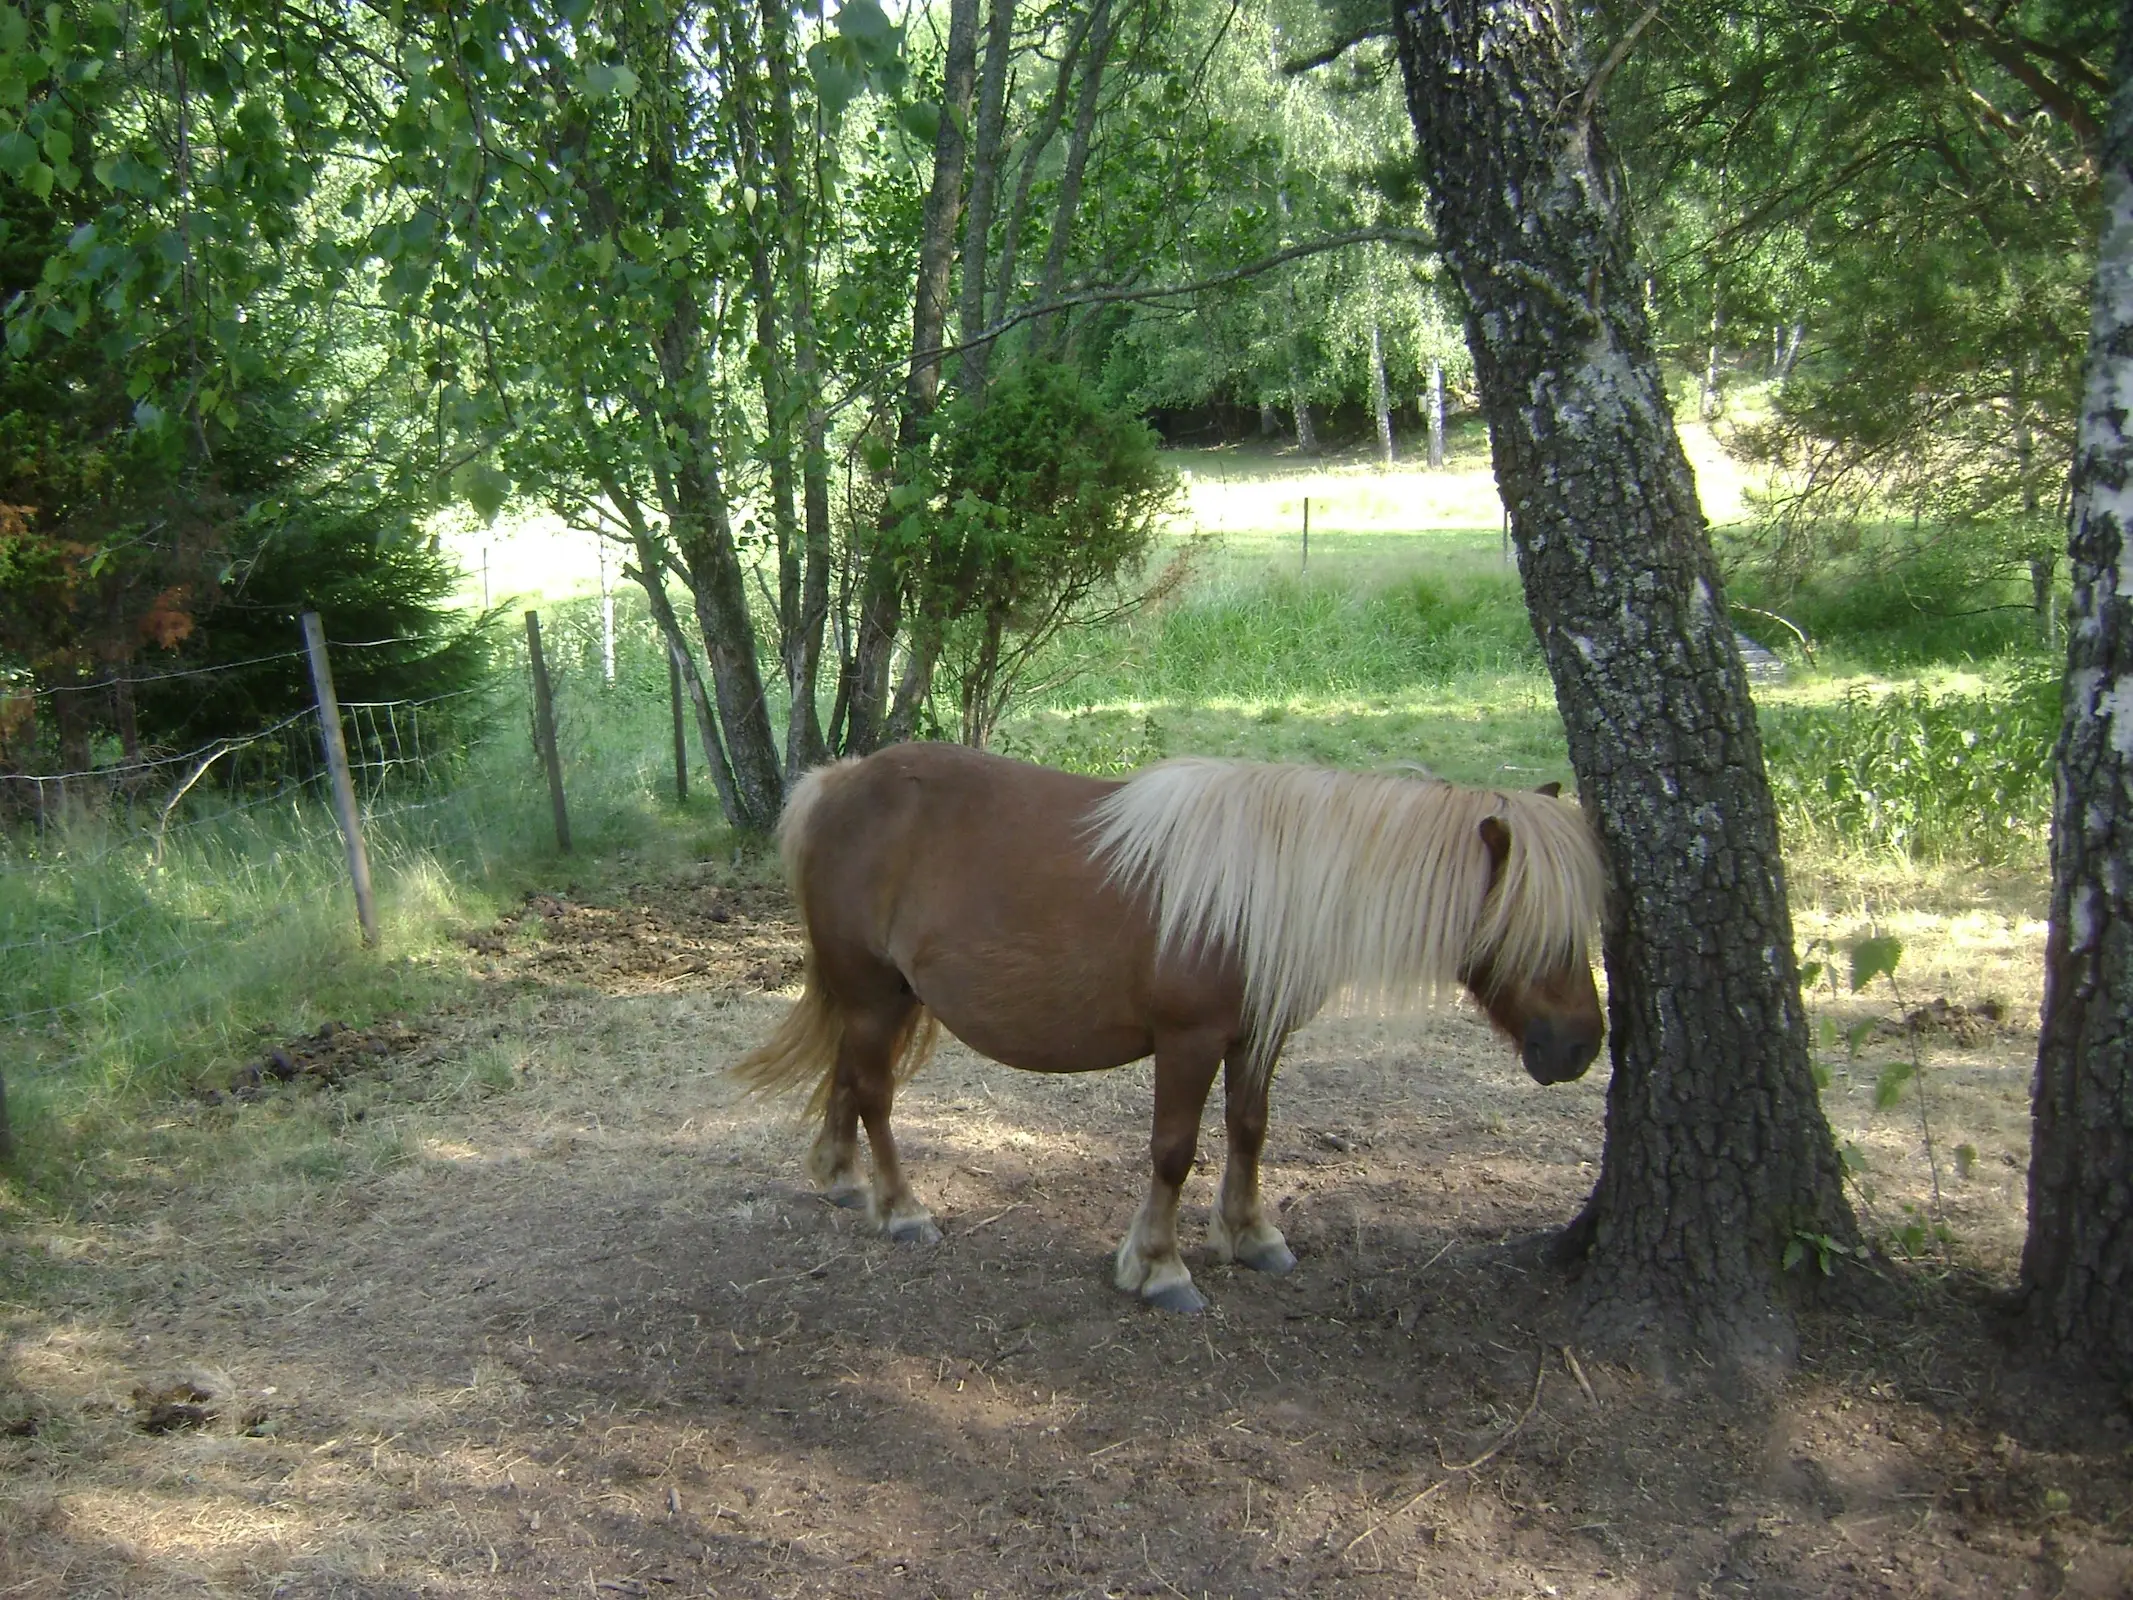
x=1910, y=777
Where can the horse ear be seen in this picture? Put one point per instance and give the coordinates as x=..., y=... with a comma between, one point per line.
x=1554, y=791
x=1497, y=839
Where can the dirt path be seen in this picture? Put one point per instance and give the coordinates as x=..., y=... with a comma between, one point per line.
x=582, y=1330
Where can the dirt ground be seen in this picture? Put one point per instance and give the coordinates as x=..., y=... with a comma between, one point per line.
x=574, y=1324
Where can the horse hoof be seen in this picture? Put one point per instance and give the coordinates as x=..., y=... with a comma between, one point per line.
x=1182, y=1298
x=914, y=1230
x=1274, y=1257
x=852, y=1199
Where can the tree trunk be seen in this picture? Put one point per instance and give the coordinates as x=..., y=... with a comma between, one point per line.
x=1793, y=336
x=2077, y=1263
x=2043, y=561
x=798, y=206
x=1300, y=409
x=1033, y=147
x=976, y=359
x=1048, y=334
x=1380, y=396
x=1717, y=1155
x=1707, y=401
x=881, y=607
x=651, y=574
x=768, y=238
x=702, y=530
x=1269, y=419
x=1436, y=414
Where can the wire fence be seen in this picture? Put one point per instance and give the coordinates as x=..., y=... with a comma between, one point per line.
x=131, y=884
x=159, y=899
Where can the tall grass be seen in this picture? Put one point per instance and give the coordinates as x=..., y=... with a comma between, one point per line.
x=1934, y=777
x=1278, y=637
x=130, y=971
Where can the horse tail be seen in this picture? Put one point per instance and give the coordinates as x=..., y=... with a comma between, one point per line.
x=803, y=1050
x=805, y=1045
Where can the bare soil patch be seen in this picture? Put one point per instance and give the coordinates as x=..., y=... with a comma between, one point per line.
x=589, y=1333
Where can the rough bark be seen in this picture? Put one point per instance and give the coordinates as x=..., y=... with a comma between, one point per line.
x=2077, y=1263
x=1717, y=1153
x=881, y=602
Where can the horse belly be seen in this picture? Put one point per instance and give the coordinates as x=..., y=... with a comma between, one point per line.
x=1003, y=1009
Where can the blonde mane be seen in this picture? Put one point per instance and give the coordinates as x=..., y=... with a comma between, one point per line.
x=1323, y=881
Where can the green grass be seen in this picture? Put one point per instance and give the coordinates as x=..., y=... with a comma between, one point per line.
x=129, y=979
x=1921, y=735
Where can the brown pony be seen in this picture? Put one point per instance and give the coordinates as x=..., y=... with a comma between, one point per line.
x=1198, y=912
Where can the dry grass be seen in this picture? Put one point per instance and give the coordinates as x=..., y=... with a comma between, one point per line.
x=589, y=1334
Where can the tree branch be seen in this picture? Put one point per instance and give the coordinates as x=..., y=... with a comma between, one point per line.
x=1414, y=238
x=1615, y=58
x=1328, y=54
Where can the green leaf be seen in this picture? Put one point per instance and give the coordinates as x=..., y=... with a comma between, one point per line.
x=482, y=487
x=834, y=65
x=865, y=22
x=1888, y=1087
x=38, y=180
x=1874, y=958
x=921, y=119
x=1965, y=1160
x=17, y=151
x=604, y=79
x=1795, y=1251
x=1857, y=1034
x=1809, y=973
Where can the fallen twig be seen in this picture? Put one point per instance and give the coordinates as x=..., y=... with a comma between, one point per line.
x=1540, y=1371
x=995, y=1217
x=1570, y=1360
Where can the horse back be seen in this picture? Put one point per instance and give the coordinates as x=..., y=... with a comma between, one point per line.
x=972, y=878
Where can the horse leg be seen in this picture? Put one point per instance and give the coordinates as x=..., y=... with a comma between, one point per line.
x=1239, y=1230
x=1148, y=1259
x=865, y=1088
x=833, y=1160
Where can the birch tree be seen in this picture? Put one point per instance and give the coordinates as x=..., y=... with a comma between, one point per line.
x=2077, y=1263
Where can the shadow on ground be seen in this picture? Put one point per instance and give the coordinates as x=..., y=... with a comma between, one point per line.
x=593, y=1336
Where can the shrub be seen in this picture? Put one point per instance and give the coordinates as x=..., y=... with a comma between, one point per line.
x=1932, y=777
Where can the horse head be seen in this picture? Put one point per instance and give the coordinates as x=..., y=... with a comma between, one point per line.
x=1553, y=1015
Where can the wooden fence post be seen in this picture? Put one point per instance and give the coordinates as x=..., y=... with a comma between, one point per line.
x=344, y=796
x=544, y=731
x=681, y=742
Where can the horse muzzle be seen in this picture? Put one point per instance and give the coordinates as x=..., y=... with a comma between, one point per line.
x=1554, y=1053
